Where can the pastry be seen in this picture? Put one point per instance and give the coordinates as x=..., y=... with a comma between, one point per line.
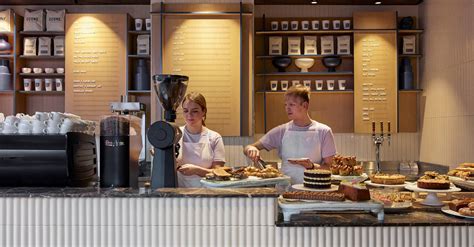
x=311, y=195
x=317, y=179
x=354, y=192
x=457, y=204
x=466, y=211
x=390, y=179
x=434, y=181
x=345, y=166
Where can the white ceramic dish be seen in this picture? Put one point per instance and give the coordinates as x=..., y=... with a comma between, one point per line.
x=301, y=187
x=59, y=70
x=360, y=178
x=49, y=70
x=37, y=70
x=395, y=186
x=446, y=210
x=26, y=70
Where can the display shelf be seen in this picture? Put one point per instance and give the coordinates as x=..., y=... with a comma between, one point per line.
x=42, y=33
x=281, y=32
x=139, y=56
x=139, y=32
x=410, y=31
x=42, y=57
x=300, y=56
x=410, y=55
x=6, y=91
x=312, y=91
x=7, y=56
x=41, y=92
x=139, y=91
x=410, y=90
x=41, y=74
x=307, y=73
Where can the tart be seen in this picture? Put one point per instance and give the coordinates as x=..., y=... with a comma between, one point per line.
x=433, y=181
x=389, y=179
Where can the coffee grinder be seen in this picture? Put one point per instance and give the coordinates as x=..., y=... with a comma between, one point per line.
x=165, y=135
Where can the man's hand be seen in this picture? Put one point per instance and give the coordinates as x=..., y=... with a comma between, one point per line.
x=306, y=163
x=190, y=169
x=252, y=152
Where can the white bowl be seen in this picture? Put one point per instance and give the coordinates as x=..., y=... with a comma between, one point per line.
x=304, y=63
x=49, y=70
x=60, y=70
x=37, y=70
x=26, y=70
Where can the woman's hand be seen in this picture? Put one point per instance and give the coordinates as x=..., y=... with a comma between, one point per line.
x=306, y=163
x=252, y=152
x=190, y=169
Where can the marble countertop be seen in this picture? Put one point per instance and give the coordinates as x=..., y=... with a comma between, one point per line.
x=71, y=192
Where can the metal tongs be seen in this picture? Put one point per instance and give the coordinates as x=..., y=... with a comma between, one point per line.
x=260, y=164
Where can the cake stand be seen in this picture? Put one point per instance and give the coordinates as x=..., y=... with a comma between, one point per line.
x=389, y=186
x=301, y=187
x=432, y=197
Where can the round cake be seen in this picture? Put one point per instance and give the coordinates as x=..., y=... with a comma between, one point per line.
x=317, y=179
x=389, y=179
x=433, y=181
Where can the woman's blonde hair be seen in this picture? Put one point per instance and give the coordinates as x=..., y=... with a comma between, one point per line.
x=299, y=91
x=198, y=99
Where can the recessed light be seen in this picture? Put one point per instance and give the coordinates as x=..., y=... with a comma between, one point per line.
x=314, y=2
x=378, y=2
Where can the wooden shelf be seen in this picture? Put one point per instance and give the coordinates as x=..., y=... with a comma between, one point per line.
x=42, y=92
x=410, y=55
x=4, y=32
x=281, y=32
x=403, y=31
x=41, y=74
x=6, y=56
x=42, y=57
x=139, y=91
x=308, y=73
x=45, y=33
x=299, y=56
x=138, y=56
x=139, y=32
x=312, y=91
x=6, y=91
x=410, y=90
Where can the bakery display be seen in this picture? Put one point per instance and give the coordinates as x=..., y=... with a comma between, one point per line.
x=354, y=191
x=311, y=195
x=433, y=181
x=268, y=172
x=389, y=179
x=345, y=166
x=317, y=179
x=392, y=199
x=464, y=171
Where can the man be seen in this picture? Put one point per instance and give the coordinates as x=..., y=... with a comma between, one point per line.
x=302, y=143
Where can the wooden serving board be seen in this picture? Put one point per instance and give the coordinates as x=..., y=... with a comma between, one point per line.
x=295, y=207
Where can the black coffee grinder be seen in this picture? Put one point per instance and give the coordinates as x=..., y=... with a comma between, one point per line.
x=164, y=135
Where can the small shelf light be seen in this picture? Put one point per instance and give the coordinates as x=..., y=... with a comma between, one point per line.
x=378, y=2
x=314, y=2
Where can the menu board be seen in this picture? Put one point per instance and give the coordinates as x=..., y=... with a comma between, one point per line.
x=375, y=81
x=95, y=63
x=207, y=50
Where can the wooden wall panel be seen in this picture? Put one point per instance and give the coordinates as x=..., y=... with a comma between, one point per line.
x=408, y=111
x=34, y=103
x=95, y=62
x=332, y=109
x=6, y=103
x=375, y=80
x=375, y=20
x=207, y=49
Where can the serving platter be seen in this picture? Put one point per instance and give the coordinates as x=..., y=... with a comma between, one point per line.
x=301, y=187
x=391, y=186
x=251, y=181
x=446, y=210
x=360, y=178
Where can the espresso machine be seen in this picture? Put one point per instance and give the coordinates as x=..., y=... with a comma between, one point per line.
x=165, y=135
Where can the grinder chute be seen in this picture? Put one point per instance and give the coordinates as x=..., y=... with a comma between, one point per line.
x=165, y=135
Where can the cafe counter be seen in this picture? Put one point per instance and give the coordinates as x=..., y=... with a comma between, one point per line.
x=205, y=217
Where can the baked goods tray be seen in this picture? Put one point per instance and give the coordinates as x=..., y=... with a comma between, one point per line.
x=248, y=182
x=290, y=207
x=461, y=183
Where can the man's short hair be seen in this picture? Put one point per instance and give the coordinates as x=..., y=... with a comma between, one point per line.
x=299, y=91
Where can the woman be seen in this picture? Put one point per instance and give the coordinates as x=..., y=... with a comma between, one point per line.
x=201, y=149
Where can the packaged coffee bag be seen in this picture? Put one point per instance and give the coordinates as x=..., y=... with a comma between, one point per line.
x=310, y=45
x=344, y=45
x=294, y=45
x=55, y=20
x=5, y=17
x=59, y=46
x=34, y=20
x=29, y=46
x=275, y=46
x=143, y=45
x=44, y=46
x=327, y=45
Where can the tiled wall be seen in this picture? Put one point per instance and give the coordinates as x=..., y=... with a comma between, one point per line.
x=447, y=124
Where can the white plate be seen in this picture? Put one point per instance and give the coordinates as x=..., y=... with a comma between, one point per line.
x=360, y=178
x=414, y=187
x=446, y=210
x=248, y=182
x=398, y=186
x=281, y=198
x=301, y=187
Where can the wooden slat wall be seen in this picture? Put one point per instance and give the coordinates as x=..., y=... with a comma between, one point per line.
x=408, y=111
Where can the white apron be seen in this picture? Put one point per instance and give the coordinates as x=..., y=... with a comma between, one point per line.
x=299, y=144
x=199, y=154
